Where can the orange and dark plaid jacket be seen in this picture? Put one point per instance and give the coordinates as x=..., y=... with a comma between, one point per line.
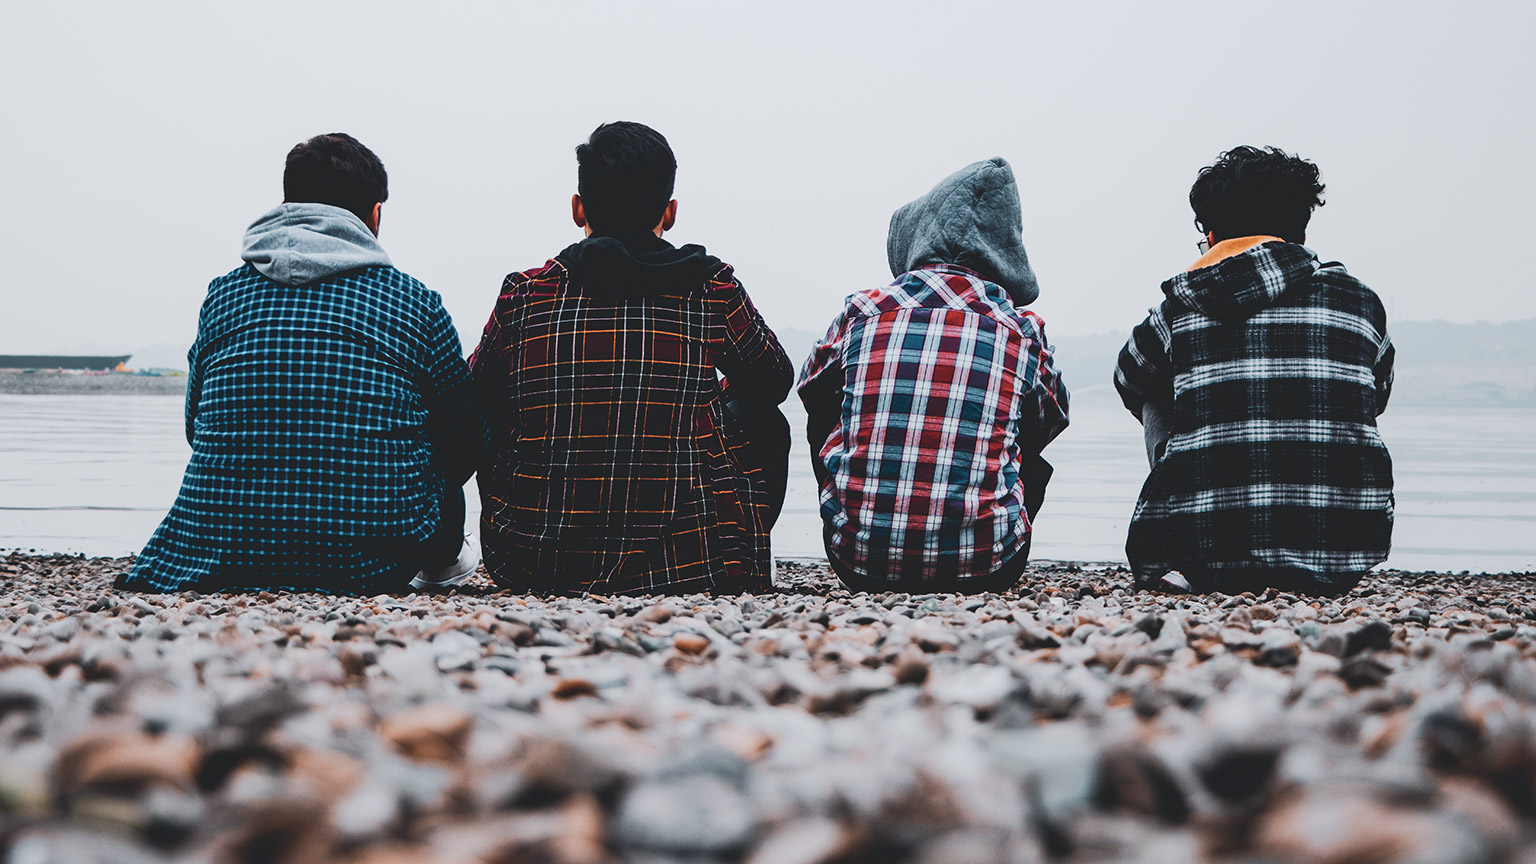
x=612, y=469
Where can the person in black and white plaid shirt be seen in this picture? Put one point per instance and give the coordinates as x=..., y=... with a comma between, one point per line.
x=1259, y=379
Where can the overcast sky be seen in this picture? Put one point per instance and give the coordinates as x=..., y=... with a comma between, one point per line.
x=142, y=138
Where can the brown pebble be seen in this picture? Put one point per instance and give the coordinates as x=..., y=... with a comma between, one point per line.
x=910, y=668
x=810, y=841
x=396, y=853
x=690, y=643
x=430, y=733
x=327, y=772
x=127, y=759
x=573, y=688
x=656, y=614
x=572, y=833
x=355, y=661
x=1342, y=828
x=747, y=743
x=517, y=634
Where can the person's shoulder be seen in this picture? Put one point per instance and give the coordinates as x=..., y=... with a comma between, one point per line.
x=718, y=277
x=721, y=276
x=1029, y=320
x=242, y=275
x=545, y=279
x=1334, y=281
x=399, y=278
x=905, y=292
x=1335, y=275
x=232, y=291
x=398, y=286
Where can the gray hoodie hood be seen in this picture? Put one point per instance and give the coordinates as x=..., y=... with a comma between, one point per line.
x=971, y=219
x=297, y=244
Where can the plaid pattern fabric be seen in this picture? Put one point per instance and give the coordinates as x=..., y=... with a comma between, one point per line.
x=1276, y=367
x=944, y=388
x=311, y=412
x=612, y=470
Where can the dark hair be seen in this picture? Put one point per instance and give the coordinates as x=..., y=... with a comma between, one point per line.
x=1253, y=190
x=624, y=174
x=335, y=169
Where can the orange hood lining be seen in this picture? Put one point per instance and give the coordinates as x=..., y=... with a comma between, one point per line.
x=1235, y=246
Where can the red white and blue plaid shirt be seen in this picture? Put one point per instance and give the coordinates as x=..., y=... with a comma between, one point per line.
x=945, y=388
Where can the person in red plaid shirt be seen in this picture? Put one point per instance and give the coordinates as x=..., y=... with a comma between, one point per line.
x=929, y=400
x=622, y=462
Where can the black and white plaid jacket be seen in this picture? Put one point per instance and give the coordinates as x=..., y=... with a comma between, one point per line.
x=1276, y=367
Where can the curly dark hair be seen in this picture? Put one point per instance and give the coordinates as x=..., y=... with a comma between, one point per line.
x=1256, y=190
x=335, y=169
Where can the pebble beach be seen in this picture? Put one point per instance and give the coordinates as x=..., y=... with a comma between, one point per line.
x=1069, y=720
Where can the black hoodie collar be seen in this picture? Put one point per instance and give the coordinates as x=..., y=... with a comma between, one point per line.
x=636, y=265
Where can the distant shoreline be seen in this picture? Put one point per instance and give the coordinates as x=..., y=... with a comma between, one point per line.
x=74, y=383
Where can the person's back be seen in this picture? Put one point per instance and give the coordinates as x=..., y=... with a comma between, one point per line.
x=930, y=399
x=1271, y=368
x=618, y=467
x=324, y=387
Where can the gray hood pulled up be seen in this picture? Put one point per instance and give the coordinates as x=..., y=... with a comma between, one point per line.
x=971, y=219
x=297, y=244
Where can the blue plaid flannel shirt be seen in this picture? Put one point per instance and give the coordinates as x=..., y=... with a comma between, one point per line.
x=313, y=412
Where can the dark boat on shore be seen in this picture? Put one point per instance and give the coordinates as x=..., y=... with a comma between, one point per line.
x=39, y=362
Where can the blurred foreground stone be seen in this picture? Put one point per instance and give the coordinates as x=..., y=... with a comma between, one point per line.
x=1070, y=720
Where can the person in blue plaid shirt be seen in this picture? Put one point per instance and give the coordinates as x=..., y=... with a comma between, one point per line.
x=328, y=408
x=1258, y=380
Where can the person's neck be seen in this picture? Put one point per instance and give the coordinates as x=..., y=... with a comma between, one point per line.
x=635, y=239
x=1224, y=249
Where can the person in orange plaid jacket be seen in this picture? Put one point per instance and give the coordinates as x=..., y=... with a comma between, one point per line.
x=622, y=461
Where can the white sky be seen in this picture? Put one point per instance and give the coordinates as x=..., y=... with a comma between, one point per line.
x=141, y=138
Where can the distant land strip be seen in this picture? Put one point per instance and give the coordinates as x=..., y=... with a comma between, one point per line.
x=112, y=383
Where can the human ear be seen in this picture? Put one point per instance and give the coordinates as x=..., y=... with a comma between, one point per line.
x=579, y=214
x=373, y=218
x=668, y=217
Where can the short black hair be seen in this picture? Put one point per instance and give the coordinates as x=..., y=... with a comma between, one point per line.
x=1256, y=190
x=335, y=169
x=624, y=174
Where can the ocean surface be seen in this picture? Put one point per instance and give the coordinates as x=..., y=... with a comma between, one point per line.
x=95, y=474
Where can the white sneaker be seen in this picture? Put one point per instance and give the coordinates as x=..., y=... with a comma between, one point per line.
x=453, y=574
x=1173, y=582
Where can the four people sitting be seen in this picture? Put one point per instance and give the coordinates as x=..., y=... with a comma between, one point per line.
x=621, y=409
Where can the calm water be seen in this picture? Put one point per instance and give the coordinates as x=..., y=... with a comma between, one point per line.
x=95, y=474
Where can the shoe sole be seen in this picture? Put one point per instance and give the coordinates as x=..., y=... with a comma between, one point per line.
x=421, y=583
